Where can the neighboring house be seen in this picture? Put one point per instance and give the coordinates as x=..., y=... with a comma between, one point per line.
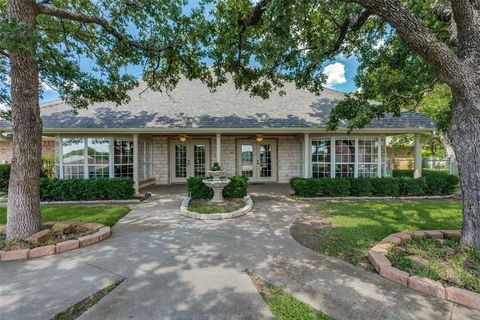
x=166, y=138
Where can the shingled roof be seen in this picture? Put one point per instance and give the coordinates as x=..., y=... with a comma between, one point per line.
x=192, y=105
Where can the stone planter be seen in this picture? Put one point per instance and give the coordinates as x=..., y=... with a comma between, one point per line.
x=377, y=256
x=216, y=216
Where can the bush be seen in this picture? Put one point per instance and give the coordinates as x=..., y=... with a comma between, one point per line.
x=4, y=176
x=196, y=189
x=237, y=188
x=335, y=187
x=384, y=187
x=360, y=187
x=412, y=187
x=440, y=184
x=86, y=189
x=305, y=187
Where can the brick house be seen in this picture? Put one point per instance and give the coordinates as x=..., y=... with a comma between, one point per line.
x=165, y=138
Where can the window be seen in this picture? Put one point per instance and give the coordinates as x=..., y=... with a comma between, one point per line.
x=344, y=158
x=98, y=150
x=123, y=158
x=368, y=157
x=73, y=158
x=321, y=157
x=146, y=164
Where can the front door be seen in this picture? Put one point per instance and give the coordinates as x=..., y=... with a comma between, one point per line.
x=257, y=160
x=188, y=159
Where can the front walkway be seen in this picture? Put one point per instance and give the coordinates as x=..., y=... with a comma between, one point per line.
x=180, y=268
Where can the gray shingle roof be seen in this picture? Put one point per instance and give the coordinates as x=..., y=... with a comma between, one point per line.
x=192, y=105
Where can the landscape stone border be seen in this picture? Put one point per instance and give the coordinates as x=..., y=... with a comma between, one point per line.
x=354, y=198
x=216, y=216
x=101, y=233
x=377, y=256
x=3, y=202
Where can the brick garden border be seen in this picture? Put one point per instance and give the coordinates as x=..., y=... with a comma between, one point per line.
x=377, y=256
x=101, y=233
x=216, y=216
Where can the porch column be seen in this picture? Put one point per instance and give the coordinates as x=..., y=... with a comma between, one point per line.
x=219, y=149
x=417, y=173
x=306, y=155
x=135, y=163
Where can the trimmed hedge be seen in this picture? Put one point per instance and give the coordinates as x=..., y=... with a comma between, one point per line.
x=86, y=189
x=237, y=188
x=431, y=184
x=4, y=176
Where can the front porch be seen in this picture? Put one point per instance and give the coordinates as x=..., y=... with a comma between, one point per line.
x=168, y=159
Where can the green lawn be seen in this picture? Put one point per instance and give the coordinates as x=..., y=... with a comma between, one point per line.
x=349, y=229
x=106, y=215
x=284, y=306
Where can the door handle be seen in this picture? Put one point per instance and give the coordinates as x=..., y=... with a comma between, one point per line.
x=188, y=162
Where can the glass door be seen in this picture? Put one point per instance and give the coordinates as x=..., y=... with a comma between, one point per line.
x=188, y=159
x=257, y=160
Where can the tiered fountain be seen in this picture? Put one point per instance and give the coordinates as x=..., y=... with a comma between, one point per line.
x=218, y=183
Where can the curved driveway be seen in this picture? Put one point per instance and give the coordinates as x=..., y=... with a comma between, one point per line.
x=178, y=268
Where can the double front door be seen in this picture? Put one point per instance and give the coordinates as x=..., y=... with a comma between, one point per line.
x=188, y=159
x=257, y=160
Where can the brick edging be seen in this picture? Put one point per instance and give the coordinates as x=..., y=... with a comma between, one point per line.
x=216, y=216
x=102, y=233
x=377, y=256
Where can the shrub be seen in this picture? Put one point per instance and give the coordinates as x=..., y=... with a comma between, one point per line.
x=335, y=187
x=4, y=176
x=412, y=187
x=196, y=189
x=305, y=187
x=237, y=188
x=360, y=187
x=384, y=187
x=86, y=189
x=440, y=183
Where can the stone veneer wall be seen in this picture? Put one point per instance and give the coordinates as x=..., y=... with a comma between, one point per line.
x=290, y=153
x=48, y=148
x=160, y=159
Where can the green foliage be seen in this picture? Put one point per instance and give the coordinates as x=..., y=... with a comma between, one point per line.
x=48, y=167
x=360, y=187
x=433, y=183
x=196, y=189
x=215, y=167
x=237, y=188
x=4, y=176
x=86, y=189
x=383, y=187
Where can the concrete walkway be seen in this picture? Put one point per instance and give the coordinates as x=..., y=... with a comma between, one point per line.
x=179, y=268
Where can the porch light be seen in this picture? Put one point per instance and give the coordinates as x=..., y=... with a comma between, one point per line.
x=182, y=138
x=259, y=138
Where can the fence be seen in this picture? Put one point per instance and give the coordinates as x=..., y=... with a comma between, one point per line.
x=433, y=163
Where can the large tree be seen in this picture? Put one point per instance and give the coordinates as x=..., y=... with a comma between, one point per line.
x=84, y=50
x=404, y=47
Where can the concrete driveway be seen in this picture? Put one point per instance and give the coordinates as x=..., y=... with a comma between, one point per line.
x=178, y=268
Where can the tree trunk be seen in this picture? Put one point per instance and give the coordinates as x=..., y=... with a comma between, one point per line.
x=23, y=213
x=465, y=134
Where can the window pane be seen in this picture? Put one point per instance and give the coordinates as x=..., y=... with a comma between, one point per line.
x=123, y=158
x=344, y=170
x=73, y=151
x=98, y=157
x=345, y=150
x=247, y=160
x=321, y=156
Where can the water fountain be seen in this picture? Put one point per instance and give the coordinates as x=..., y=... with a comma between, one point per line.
x=218, y=182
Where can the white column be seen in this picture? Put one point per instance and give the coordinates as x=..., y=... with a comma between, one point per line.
x=219, y=149
x=60, y=157
x=418, y=157
x=306, y=155
x=135, y=163
x=111, y=166
x=379, y=156
x=355, y=171
x=332, y=157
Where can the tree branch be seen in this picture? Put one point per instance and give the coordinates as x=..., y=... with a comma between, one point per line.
x=419, y=38
x=83, y=18
x=4, y=53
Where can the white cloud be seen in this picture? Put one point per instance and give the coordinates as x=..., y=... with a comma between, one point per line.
x=335, y=73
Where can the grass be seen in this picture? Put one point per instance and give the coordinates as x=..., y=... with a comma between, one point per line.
x=349, y=229
x=447, y=263
x=284, y=306
x=204, y=206
x=106, y=215
x=78, y=309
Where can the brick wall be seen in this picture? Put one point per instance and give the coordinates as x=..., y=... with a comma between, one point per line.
x=290, y=149
x=48, y=149
x=160, y=159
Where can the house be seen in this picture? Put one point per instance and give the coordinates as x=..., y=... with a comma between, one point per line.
x=166, y=138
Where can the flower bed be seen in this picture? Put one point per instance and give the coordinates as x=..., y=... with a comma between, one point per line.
x=56, y=237
x=184, y=209
x=378, y=256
